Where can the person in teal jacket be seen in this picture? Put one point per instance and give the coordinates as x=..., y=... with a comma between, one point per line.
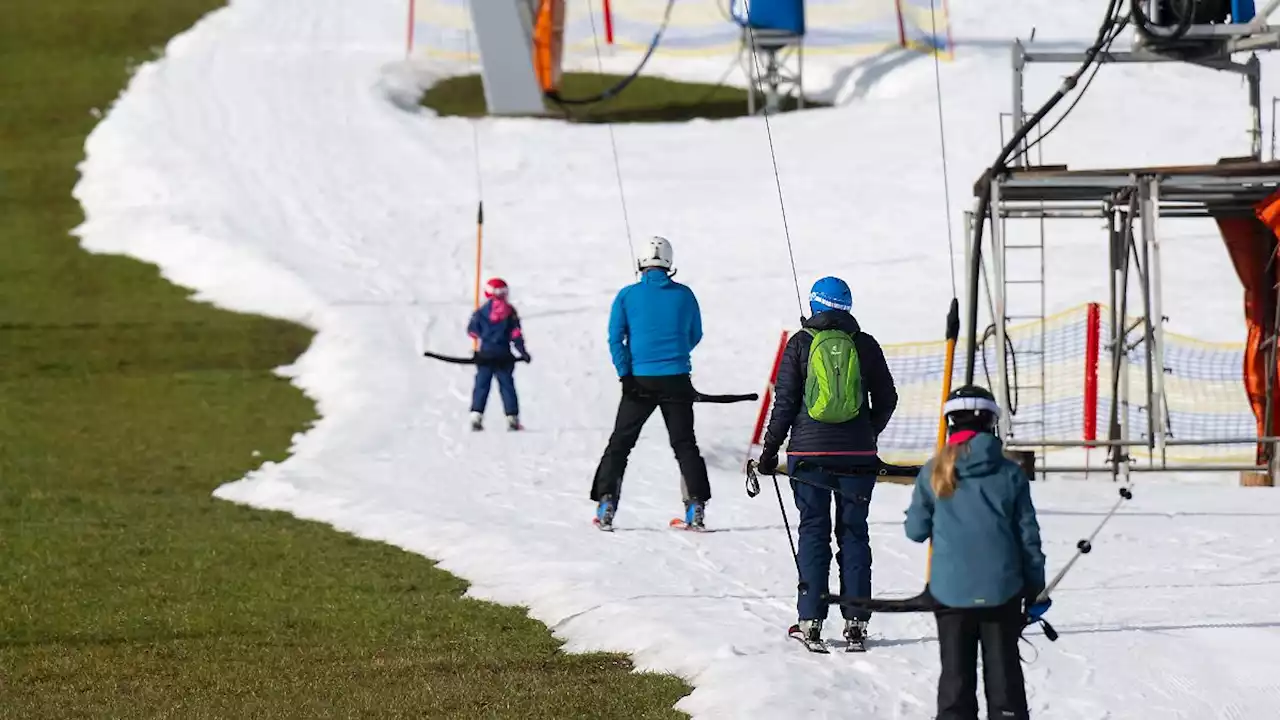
x=975, y=505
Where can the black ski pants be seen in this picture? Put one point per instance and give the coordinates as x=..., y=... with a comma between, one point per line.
x=673, y=394
x=996, y=630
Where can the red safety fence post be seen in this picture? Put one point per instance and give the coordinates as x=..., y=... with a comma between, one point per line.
x=1093, y=334
x=766, y=397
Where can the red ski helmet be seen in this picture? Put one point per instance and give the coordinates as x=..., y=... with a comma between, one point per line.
x=496, y=287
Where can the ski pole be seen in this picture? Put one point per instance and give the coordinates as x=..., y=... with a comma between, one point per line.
x=1084, y=546
x=801, y=585
x=753, y=489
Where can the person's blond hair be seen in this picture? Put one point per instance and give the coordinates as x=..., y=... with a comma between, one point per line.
x=943, y=477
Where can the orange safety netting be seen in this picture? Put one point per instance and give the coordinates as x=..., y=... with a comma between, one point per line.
x=548, y=43
x=1251, y=243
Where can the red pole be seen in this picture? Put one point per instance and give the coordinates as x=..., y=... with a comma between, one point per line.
x=408, y=46
x=1092, y=333
x=764, y=413
x=608, y=23
x=767, y=398
x=902, y=29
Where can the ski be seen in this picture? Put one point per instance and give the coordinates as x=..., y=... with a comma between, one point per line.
x=813, y=646
x=856, y=646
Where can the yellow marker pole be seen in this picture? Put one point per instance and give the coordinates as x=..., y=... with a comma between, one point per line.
x=475, y=342
x=953, y=334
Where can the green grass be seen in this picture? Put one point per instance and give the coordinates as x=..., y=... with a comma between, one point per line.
x=126, y=590
x=647, y=99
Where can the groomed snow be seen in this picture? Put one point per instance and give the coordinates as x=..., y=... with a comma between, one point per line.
x=274, y=161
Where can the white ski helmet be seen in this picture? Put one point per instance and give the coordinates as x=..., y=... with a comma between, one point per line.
x=656, y=253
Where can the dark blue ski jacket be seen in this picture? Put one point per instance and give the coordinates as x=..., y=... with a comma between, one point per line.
x=497, y=325
x=811, y=437
x=986, y=539
x=654, y=326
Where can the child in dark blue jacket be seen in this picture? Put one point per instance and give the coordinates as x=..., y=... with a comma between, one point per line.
x=975, y=504
x=495, y=326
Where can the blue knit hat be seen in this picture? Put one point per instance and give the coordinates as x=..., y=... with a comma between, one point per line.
x=830, y=293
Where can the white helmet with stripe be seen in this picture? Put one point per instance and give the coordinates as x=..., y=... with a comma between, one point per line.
x=971, y=408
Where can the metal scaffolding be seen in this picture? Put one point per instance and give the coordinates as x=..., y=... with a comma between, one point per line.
x=1132, y=201
x=1251, y=70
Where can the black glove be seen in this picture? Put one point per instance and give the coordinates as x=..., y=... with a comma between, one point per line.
x=525, y=357
x=768, y=462
x=629, y=386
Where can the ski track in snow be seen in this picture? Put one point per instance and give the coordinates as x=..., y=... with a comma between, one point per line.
x=273, y=161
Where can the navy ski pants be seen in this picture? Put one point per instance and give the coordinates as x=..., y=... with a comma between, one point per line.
x=505, y=373
x=852, y=504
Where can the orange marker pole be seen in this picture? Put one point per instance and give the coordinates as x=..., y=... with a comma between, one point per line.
x=475, y=342
x=953, y=334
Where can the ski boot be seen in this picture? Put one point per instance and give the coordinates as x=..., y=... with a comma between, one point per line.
x=477, y=421
x=604, y=513
x=855, y=635
x=513, y=423
x=694, y=513
x=809, y=633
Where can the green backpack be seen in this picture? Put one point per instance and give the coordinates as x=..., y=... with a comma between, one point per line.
x=833, y=390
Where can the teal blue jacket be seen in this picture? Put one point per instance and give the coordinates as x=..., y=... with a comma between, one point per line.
x=986, y=539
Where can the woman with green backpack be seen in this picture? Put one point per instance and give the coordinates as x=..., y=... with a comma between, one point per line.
x=833, y=395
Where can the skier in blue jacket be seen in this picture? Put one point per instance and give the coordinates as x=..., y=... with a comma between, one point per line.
x=975, y=504
x=496, y=326
x=654, y=326
x=825, y=454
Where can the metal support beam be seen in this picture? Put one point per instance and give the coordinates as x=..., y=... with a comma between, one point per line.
x=1019, y=70
x=998, y=267
x=1134, y=56
x=1259, y=21
x=1148, y=199
x=1151, y=239
x=1080, y=469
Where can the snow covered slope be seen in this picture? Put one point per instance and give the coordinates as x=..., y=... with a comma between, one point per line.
x=273, y=161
